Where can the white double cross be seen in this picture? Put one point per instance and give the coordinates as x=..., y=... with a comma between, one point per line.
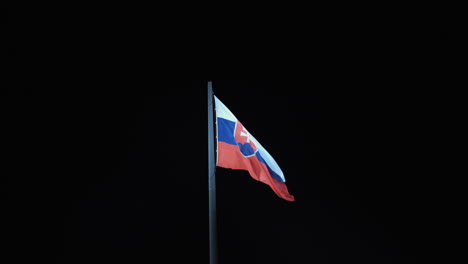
x=245, y=134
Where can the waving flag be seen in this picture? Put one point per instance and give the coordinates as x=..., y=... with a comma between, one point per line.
x=238, y=149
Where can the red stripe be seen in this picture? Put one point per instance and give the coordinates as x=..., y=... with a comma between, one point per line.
x=230, y=157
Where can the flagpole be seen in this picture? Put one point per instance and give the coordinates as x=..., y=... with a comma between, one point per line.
x=211, y=180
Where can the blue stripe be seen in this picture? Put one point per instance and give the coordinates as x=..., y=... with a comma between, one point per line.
x=226, y=131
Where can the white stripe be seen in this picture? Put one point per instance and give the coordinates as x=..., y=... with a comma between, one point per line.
x=223, y=112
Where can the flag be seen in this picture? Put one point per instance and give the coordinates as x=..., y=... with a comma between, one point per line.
x=239, y=150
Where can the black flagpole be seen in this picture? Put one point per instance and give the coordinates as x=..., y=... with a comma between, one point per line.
x=211, y=179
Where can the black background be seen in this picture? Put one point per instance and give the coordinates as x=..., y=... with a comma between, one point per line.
x=124, y=179
x=111, y=166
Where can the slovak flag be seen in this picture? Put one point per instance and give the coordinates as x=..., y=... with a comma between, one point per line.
x=239, y=150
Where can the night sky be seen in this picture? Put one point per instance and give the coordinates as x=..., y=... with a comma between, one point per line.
x=111, y=166
x=124, y=178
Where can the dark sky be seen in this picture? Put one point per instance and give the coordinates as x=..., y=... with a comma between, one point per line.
x=111, y=167
x=124, y=178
